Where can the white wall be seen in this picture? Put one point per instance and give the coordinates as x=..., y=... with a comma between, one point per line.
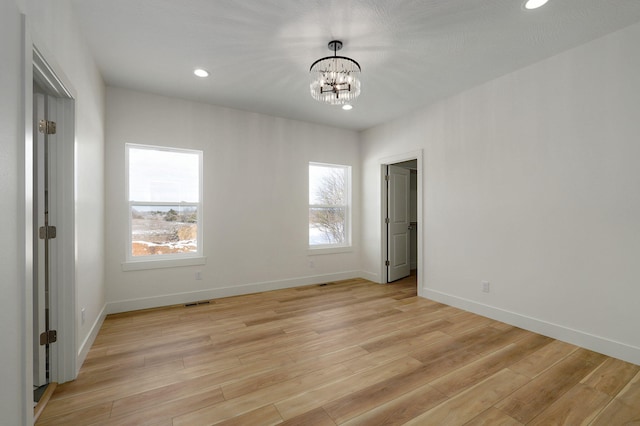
x=56, y=32
x=52, y=27
x=255, y=199
x=13, y=315
x=531, y=181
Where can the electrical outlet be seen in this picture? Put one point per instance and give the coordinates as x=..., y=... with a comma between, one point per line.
x=198, y=275
x=486, y=287
x=83, y=315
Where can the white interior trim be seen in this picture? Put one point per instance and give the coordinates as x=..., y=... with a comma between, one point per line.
x=231, y=290
x=63, y=297
x=140, y=265
x=47, y=78
x=27, y=244
x=329, y=250
x=91, y=337
x=579, y=338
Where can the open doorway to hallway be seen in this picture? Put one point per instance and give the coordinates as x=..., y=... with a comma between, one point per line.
x=412, y=166
x=401, y=217
x=401, y=220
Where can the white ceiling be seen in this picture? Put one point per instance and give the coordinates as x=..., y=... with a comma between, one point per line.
x=412, y=52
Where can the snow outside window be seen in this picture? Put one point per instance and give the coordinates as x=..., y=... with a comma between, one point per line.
x=329, y=205
x=164, y=191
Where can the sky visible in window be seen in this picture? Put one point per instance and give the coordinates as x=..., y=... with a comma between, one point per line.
x=318, y=178
x=164, y=176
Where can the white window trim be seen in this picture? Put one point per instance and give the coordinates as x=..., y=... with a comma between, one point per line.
x=139, y=265
x=326, y=249
x=134, y=263
x=319, y=249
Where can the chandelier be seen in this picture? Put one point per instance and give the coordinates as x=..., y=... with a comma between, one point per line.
x=334, y=79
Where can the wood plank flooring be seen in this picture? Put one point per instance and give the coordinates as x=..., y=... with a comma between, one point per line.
x=351, y=352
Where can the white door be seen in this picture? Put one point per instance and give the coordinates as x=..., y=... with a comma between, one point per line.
x=44, y=220
x=39, y=244
x=54, y=295
x=398, y=214
x=39, y=276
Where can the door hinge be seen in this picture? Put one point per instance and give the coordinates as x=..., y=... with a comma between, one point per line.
x=47, y=127
x=387, y=263
x=49, y=336
x=47, y=232
x=386, y=177
x=386, y=220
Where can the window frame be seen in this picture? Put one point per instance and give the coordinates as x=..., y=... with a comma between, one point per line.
x=347, y=244
x=163, y=260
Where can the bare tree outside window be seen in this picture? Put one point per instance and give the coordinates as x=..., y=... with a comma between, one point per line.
x=328, y=200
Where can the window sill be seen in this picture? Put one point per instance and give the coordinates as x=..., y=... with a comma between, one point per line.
x=139, y=265
x=329, y=250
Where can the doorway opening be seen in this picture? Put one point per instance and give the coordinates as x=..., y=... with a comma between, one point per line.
x=53, y=235
x=43, y=244
x=400, y=218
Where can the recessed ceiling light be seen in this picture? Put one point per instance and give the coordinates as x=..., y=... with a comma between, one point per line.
x=347, y=107
x=201, y=73
x=534, y=4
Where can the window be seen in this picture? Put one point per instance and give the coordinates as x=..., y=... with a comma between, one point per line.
x=165, y=203
x=329, y=205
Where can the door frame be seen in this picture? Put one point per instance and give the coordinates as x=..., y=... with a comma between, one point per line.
x=63, y=353
x=383, y=163
x=40, y=320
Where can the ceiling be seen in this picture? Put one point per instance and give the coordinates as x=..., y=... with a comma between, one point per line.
x=412, y=52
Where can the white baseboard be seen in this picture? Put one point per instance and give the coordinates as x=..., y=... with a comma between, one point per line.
x=371, y=276
x=576, y=337
x=91, y=337
x=216, y=293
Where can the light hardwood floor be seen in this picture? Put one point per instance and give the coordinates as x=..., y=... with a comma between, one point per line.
x=351, y=352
